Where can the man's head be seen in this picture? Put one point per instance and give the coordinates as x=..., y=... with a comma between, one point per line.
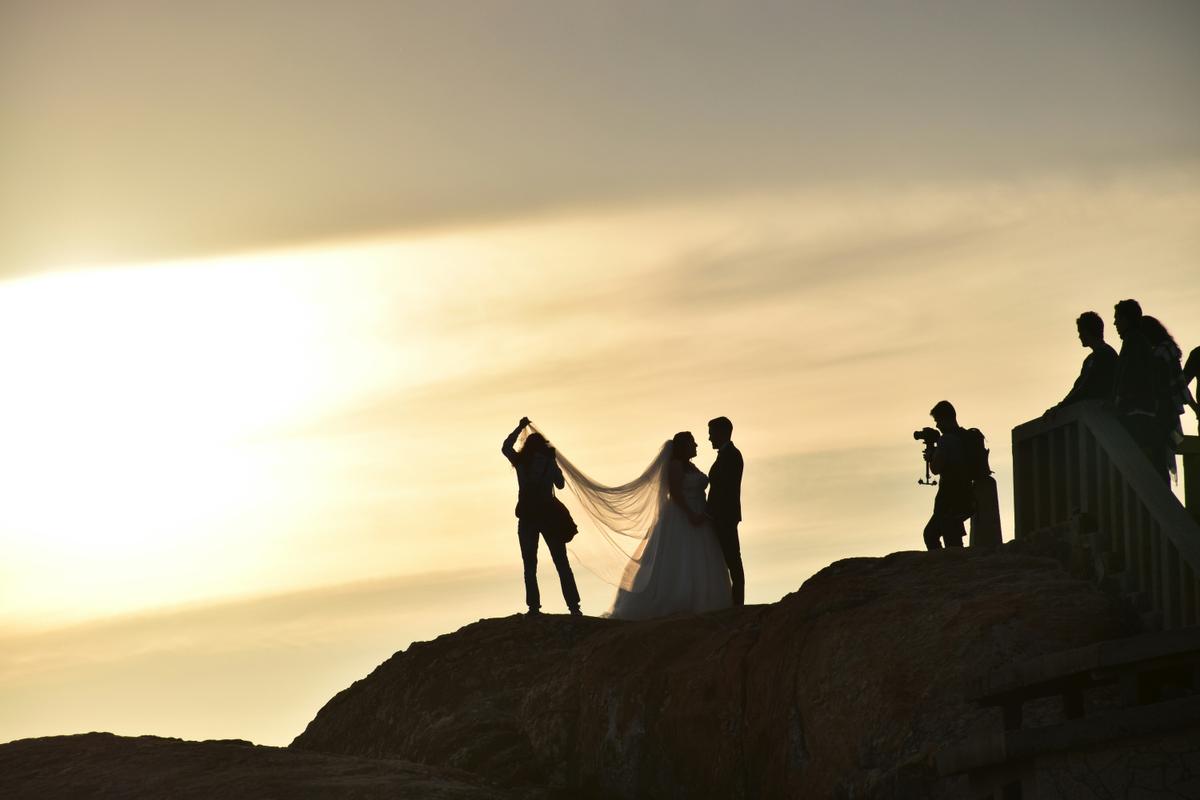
x=720, y=431
x=944, y=416
x=1126, y=316
x=1091, y=328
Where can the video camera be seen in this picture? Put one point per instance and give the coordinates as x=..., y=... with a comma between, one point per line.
x=927, y=435
x=930, y=437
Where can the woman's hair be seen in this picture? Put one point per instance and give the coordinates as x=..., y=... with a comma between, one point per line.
x=534, y=443
x=677, y=442
x=1156, y=333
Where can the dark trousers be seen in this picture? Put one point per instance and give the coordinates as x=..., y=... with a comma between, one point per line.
x=1151, y=440
x=946, y=527
x=527, y=533
x=731, y=548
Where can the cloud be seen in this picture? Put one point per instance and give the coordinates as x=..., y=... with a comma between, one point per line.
x=310, y=616
x=762, y=291
x=169, y=132
x=256, y=668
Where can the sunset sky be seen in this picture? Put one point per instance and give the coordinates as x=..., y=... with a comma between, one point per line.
x=277, y=278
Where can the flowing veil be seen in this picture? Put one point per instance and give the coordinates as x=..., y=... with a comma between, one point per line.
x=616, y=546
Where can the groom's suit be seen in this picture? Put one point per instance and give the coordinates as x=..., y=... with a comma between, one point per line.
x=724, y=506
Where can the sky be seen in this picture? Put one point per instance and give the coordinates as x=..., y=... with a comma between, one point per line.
x=276, y=279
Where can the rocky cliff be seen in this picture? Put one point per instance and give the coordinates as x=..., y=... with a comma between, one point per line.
x=100, y=766
x=844, y=688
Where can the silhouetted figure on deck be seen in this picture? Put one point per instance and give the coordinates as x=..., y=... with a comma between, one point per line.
x=1191, y=372
x=1170, y=387
x=947, y=459
x=724, y=504
x=1134, y=396
x=537, y=475
x=1099, y=371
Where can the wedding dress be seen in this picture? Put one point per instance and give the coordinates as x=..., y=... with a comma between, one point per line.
x=690, y=576
x=642, y=541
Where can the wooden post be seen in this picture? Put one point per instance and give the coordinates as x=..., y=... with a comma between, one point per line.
x=1085, y=471
x=1104, y=501
x=1022, y=488
x=1151, y=551
x=1037, y=445
x=1121, y=524
x=1170, y=569
x=1190, y=450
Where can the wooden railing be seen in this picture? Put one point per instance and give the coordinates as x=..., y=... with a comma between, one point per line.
x=1082, y=464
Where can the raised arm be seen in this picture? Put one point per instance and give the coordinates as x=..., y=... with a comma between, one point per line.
x=508, y=448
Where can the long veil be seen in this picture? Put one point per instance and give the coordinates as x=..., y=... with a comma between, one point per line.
x=614, y=541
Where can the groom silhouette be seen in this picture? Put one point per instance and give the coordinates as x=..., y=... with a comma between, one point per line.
x=724, y=505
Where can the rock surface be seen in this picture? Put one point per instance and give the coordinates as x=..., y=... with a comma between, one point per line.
x=844, y=688
x=101, y=765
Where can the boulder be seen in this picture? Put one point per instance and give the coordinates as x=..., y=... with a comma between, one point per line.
x=845, y=688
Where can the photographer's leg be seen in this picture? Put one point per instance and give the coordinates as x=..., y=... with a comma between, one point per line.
x=933, y=534
x=954, y=531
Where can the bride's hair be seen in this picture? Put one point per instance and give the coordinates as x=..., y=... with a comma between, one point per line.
x=679, y=441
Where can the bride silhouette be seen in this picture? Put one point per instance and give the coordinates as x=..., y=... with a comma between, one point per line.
x=688, y=574
x=654, y=541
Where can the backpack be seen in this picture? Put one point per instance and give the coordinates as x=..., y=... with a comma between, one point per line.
x=975, y=454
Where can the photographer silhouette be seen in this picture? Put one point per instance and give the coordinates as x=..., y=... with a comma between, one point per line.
x=946, y=457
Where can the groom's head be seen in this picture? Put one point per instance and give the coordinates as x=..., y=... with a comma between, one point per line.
x=720, y=431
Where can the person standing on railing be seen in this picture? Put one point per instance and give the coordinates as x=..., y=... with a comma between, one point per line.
x=954, y=501
x=1135, y=398
x=1099, y=371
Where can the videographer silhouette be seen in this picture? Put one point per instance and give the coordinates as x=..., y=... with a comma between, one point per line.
x=946, y=457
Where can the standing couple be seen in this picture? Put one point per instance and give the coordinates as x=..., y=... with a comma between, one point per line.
x=666, y=547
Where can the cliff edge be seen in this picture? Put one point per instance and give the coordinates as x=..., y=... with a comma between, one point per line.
x=844, y=688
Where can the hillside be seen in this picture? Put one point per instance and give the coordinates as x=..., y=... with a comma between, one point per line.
x=843, y=688
x=846, y=686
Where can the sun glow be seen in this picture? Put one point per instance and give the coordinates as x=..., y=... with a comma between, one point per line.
x=132, y=401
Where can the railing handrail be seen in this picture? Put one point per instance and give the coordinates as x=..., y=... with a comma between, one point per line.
x=1174, y=520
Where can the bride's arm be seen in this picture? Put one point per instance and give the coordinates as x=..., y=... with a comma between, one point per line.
x=557, y=474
